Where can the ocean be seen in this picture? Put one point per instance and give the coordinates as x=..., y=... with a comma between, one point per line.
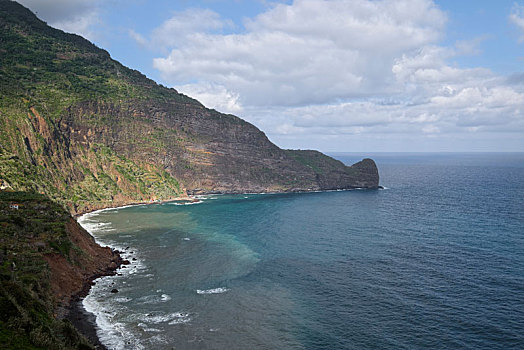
x=435, y=260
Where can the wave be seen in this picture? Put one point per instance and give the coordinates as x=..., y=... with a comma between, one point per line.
x=97, y=212
x=122, y=300
x=96, y=227
x=177, y=317
x=148, y=329
x=149, y=299
x=114, y=335
x=187, y=203
x=180, y=318
x=212, y=291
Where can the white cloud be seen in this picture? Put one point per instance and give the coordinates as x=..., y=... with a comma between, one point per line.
x=139, y=38
x=325, y=69
x=213, y=96
x=517, y=17
x=81, y=25
x=182, y=25
x=73, y=16
x=309, y=52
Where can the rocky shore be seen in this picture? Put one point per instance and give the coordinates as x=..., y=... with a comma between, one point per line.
x=48, y=263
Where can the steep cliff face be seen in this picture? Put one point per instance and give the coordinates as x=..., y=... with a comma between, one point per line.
x=89, y=132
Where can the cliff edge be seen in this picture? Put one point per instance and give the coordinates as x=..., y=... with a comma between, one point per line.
x=46, y=260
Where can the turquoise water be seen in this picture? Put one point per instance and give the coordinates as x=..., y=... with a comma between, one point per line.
x=435, y=260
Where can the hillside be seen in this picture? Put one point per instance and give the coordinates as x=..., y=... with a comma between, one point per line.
x=45, y=259
x=90, y=133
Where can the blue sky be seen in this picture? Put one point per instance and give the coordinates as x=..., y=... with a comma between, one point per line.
x=333, y=75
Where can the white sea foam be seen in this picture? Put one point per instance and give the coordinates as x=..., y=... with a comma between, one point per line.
x=148, y=329
x=150, y=299
x=159, y=339
x=95, y=227
x=188, y=203
x=212, y=291
x=165, y=297
x=113, y=335
x=97, y=212
x=122, y=300
x=180, y=318
x=158, y=318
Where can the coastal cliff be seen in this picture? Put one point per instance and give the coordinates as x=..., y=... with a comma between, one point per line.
x=46, y=260
x=89, y=132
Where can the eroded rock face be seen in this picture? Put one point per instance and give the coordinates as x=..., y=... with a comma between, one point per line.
x=70, y=280
x=209, y=151
x=368, y=173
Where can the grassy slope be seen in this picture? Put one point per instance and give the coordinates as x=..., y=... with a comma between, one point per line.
x=44, y=71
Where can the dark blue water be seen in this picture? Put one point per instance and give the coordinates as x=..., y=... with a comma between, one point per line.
x=436, y=260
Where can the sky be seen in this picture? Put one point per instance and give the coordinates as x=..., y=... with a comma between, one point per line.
x=332, y=75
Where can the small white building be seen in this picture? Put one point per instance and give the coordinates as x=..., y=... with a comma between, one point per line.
x=14, y=206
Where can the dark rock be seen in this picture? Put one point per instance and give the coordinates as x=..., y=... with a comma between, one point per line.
x=114, y=290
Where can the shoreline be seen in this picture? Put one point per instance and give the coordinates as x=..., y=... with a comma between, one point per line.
x=127, y=204
x=85, y=321
x=194, y=197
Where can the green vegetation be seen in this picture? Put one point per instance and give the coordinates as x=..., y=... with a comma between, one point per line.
x=45, y=72
x=105, y=176
x=36, y=228
x=53, y=70
x=319, y=163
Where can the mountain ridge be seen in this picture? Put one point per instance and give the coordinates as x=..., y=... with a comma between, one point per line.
x=90, y=133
